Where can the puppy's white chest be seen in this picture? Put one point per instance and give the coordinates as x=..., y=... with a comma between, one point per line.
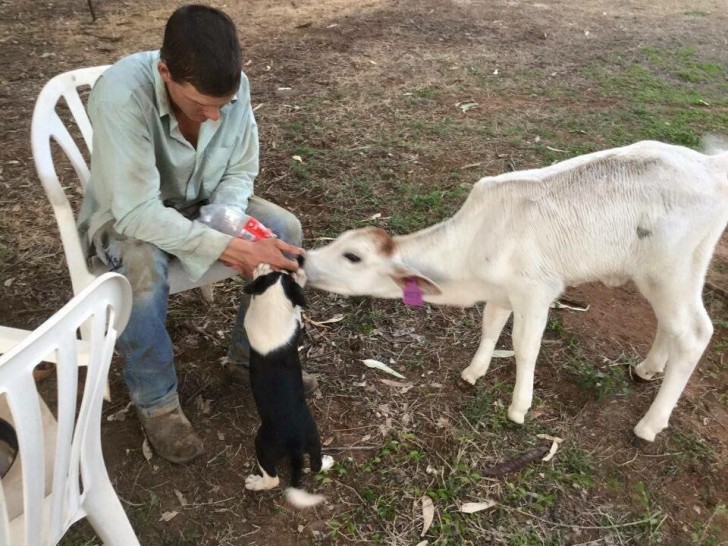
x=271, y=321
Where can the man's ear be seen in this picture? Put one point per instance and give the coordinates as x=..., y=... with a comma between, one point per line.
x=294, y=292
x=164, y=71
x=260, y=284
x=401, y=274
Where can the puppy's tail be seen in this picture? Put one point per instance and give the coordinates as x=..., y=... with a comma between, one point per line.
x=299, y=498
x=296, y=496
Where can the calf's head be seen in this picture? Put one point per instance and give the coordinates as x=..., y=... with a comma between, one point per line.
x=363, y=262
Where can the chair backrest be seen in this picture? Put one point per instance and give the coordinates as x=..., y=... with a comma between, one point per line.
x=105, y=306
x=46, y=126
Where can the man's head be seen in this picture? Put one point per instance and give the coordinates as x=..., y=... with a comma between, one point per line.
x=200, y=60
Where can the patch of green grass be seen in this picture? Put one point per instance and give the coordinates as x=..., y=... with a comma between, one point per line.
x=720, y=323
x=554, y=325
x=487, y=408
x=651, y=514
x=425, y=207
x=710, y=532
x=691, y=449
x=6, y=253
x=607, y=381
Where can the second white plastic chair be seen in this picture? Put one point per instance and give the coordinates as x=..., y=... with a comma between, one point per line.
x=79, y=483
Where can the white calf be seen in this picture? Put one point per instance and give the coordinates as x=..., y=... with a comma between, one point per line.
x=649, y=212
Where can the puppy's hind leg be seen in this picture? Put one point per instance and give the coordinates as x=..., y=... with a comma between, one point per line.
x=296, y=468
x=266, y=462
x=319, y=462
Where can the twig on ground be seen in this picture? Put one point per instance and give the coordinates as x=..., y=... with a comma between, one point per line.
x=583, y=527
x=349, y=448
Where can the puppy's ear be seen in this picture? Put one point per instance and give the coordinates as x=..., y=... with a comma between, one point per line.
x=294, y=292
x=260, y=284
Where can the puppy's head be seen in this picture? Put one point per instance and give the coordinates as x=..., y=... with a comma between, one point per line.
x=277, y=280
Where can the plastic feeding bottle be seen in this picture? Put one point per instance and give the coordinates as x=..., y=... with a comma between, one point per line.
x=231, y=221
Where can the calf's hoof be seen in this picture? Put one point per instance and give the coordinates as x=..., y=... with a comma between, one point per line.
x=516, y=415
x=644, y=375
x=644, y=431
x=638, y=442
x=469, y=376
x=464, y=386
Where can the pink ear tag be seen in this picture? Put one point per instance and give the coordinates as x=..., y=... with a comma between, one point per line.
x=412, y=293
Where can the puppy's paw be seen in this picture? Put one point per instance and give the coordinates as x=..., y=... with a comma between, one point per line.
x=260, y=483
x=300, y=277
x=261, y=269
x=327, y=463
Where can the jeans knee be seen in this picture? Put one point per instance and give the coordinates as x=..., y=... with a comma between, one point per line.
x=289, y=229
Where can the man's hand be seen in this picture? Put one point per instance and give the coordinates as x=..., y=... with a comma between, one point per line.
x=244, y=255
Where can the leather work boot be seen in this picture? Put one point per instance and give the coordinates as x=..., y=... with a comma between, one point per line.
x=172, y=436
x=240, y=374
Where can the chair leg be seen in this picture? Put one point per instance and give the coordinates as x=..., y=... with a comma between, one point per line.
x=208, y=293
x=107, y=516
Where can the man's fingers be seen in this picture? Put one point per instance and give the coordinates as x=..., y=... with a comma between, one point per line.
x=285, y=247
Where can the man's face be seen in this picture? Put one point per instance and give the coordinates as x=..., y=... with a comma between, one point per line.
x=189, y=101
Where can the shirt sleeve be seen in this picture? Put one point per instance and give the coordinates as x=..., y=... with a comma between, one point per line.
x=123, y=165
x=236, y=184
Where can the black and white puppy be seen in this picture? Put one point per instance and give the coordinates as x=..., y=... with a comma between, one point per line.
x=287, y=429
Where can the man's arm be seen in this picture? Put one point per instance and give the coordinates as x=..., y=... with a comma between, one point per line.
x=124, y=172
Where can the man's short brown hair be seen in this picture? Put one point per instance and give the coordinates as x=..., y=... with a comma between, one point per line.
x=201, y=47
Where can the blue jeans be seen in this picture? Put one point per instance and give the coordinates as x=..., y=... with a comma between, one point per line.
x=145, y=344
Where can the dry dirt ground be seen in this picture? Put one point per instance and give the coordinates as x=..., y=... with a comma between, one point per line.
x=370, y=95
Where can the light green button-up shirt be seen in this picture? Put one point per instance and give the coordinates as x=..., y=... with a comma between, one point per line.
x=143, y=171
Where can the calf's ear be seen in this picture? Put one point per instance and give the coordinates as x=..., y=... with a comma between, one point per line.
x=401, y=274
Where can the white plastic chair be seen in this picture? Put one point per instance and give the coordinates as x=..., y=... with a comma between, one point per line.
x=80, y=485
x=46, y=126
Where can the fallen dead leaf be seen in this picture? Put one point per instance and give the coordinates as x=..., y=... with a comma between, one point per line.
x=166, y=516
x=146, y=450
x=180, y=497
x=203, y=405
x=472, y=507
x=428, y=514
x=119, y=415
x=442, y=422
x=371, y=363
x=397, y=384
x=465, y=106
x=555, y=442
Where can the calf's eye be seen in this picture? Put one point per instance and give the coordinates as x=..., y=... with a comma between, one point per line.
x=353, y=258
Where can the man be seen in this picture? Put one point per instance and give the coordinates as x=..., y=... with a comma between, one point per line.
x=173, y=131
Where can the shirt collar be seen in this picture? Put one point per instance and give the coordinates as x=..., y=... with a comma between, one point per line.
x=160, y=90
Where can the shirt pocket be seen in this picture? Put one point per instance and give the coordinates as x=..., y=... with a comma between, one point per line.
x=215, y=162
